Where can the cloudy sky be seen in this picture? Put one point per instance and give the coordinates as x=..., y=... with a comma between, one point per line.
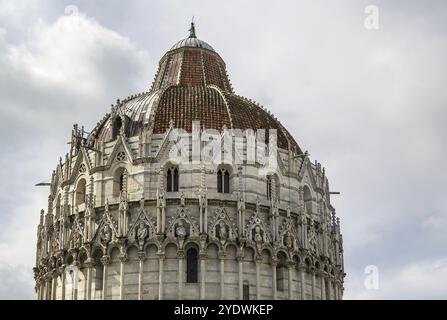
x=370, y=105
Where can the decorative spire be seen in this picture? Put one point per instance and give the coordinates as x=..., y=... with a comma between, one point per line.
x=192, y=30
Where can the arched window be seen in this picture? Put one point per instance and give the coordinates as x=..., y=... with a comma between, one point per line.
x=307, y=199
x=172, y=180
x=80, y=192
x=117, y=124
x=269, y=187
x=191, y=266
x=223, y=181
x=99, y=274
x=281, y=274
x=120, y=182
x=246, y=291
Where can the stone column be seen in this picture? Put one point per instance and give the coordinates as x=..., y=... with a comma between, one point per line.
x=313, y=285
x=37, y=288
x=303, y=282
x=123, y=259
x=75, y=280
x=289, y=275
x=63, y=279
x=53, y=291
x=180, y=258
x=202, y=276
x=43, y=282
x=329, y=284
x=42, y=288
x=141, y=258
x=48, y=279
x=105, y=260
x=258, y=278
x=161, y=258
x=89, y=265
x=336, y=290
x=274, y=280
x=240, y=260
x=323, y=287
x=222, y=276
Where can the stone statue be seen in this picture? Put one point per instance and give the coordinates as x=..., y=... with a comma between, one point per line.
x=142, y=231
x=222, y=234
x=288, y=240
x=180, y=230
x=105, y=236
x=77, y=240
x=182, y=199
x=313, y=237
x=258, y=236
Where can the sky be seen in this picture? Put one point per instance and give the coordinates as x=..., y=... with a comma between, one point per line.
x=369, y=104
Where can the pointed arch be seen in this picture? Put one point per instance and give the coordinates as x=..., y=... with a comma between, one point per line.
x=120, y=177
x=81, y=192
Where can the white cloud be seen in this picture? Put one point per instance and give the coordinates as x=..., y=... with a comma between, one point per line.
x=423, y=279
x=65, y=71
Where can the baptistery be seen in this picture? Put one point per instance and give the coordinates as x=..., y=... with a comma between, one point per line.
x=188, y=191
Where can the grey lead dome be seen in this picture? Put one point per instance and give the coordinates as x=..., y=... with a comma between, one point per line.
x=192, y=41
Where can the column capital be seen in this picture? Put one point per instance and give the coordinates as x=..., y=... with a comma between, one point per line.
x=302, y=267
x=141, y=255
x=322, y=274
x=105, y=259
x=123, y=257
x=54, y=273
x=89, y=262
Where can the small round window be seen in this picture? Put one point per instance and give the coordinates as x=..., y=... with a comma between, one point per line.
x=121, y=156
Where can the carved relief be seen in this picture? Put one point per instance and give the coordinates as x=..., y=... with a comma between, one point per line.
x=142, y=228
x=222, y=227
x=182, y=226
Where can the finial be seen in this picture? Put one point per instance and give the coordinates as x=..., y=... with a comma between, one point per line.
x=192, y=30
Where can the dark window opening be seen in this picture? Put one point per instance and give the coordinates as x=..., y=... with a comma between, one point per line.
x=226, y=184
x=191, y=266
x=281, y=274
x=223, y=181
x=99, y=276
x=122, y=182
x=117, y=124
x=246, y=291
x=307, y=200
x=219, y=181
x=269, y=188
x=172, y=180
x=80, y=192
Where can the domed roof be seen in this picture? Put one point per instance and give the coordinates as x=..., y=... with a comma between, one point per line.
x=192, y=41
x=191, y=84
